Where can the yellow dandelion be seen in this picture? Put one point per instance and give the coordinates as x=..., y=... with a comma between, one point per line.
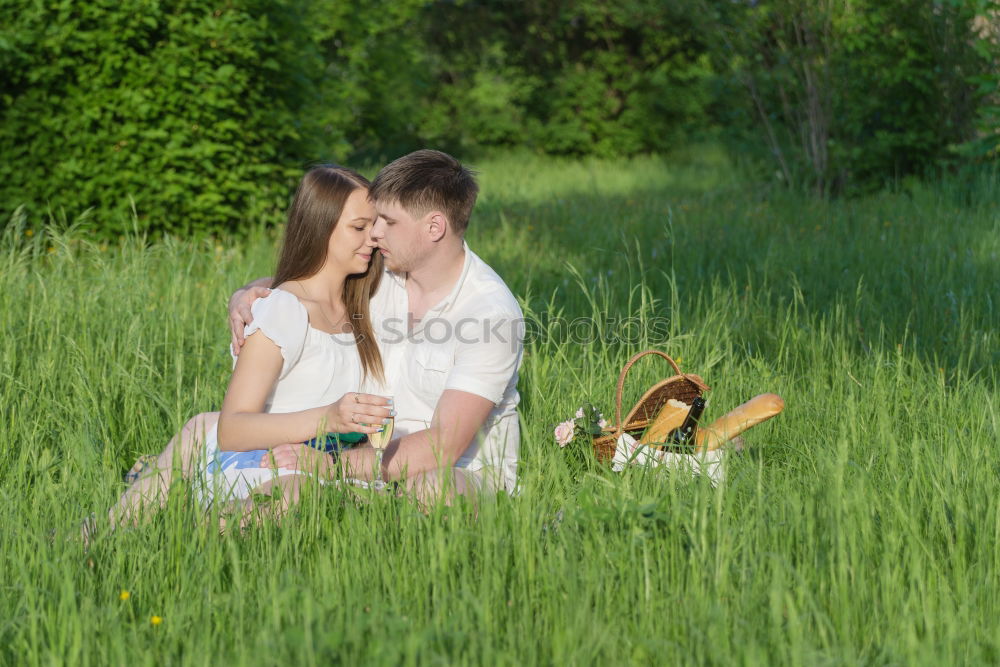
x=29, y=232
x=51, y=249
x=124, y=595
x=155, y=620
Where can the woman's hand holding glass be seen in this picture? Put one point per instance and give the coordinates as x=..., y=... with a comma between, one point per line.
x=359, y=413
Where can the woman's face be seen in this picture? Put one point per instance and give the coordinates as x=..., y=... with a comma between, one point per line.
x=351, y=245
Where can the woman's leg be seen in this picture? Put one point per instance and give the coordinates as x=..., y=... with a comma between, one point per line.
x=182, y=453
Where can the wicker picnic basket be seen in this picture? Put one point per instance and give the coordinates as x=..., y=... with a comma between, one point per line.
x=682, y=386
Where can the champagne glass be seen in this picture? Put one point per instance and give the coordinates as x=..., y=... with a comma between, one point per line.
x=379, y=442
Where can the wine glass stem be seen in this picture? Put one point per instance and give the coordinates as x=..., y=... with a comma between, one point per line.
x=378, y=464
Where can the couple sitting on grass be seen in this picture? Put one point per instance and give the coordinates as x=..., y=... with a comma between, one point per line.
x=378, y=310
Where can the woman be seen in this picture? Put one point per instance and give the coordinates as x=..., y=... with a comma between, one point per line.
x=307, y=355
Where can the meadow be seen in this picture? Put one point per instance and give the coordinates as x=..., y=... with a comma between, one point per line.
x=862, y=526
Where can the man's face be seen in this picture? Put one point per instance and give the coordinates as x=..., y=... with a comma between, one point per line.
x=401, y=238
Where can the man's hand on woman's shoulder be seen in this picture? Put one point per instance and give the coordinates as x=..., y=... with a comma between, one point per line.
x=239, y=309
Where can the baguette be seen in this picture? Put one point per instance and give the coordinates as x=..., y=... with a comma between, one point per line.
x=725, y=428
x=671, y=416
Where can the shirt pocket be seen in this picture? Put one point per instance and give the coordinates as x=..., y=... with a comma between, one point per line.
x=431, y=367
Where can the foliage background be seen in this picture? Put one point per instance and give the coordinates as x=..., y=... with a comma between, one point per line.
x=194, y=115
x=862, y=526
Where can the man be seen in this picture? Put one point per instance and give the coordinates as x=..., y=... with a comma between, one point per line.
x=450, y=333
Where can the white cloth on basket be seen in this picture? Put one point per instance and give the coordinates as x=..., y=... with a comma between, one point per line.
x=629, y=452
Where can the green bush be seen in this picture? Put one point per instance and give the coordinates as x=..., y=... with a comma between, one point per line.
x=190, y=108
x=379, y=72
x=910, y=96
x=851, y=95
x=575, y=78
x=844, y=95
x=560, y=77
x=985, y=145
x=204, y=114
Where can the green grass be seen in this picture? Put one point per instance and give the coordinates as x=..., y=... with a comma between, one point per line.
x=862, y=526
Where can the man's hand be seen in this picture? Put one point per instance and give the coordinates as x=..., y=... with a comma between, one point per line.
x=458, y=418
x=239, y=311
x=298, y=457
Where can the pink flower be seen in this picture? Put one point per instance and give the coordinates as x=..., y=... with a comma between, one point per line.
x=603, y=423
x=564, y=432
x=579, y=413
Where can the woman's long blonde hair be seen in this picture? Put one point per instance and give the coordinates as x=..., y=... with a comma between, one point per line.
x=312, y=217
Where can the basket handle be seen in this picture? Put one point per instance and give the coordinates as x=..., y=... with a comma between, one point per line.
x=621, y=382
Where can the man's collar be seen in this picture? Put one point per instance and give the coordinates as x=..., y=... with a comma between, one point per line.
x=398, y=278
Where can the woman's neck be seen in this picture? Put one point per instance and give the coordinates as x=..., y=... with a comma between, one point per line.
x=326, y=286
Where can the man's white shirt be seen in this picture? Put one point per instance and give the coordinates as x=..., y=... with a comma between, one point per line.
x=471, y=341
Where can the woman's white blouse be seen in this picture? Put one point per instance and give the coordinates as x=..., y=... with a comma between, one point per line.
x=318, y=367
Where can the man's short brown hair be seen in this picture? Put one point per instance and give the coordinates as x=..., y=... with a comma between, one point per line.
x=428, y=180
